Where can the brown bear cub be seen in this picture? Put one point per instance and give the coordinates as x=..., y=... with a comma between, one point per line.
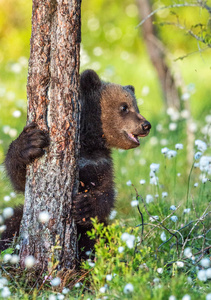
x=109, y=118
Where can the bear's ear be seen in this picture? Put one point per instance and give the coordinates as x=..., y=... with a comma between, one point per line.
x=131, y=88
x=89, y=80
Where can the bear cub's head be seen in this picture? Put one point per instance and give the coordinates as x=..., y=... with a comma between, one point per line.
x=121, y=122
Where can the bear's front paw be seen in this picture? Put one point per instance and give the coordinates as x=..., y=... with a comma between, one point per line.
x=32, y=142
x=83, y=209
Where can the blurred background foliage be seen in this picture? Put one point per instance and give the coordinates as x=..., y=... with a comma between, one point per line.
x=113, y=45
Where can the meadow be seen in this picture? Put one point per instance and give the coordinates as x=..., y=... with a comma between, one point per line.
x=158, y=240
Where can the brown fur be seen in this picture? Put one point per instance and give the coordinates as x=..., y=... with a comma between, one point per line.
x=109, y=118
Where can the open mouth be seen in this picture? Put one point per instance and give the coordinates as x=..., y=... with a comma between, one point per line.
x=134, y=137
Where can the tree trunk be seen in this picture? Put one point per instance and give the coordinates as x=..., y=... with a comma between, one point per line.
x=53, y=92
x=158, y=57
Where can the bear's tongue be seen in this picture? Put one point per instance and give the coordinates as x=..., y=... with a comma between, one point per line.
x=133, y=138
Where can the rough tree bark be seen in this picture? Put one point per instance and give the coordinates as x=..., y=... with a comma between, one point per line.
x=52, y=91
x=158, y=57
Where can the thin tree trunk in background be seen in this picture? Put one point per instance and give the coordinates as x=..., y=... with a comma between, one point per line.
x=170, y=78
x=53, y=91
x=157, y=56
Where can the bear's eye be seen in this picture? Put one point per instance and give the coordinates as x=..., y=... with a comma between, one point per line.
x=124, y=108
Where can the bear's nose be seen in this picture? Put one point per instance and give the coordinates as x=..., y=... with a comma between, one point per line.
x=146, y=126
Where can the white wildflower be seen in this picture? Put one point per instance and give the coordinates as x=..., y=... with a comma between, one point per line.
x=172, y=126
x=134, y=203
x=102, y=290
x=192, y=126
x=154, y=167
x=5, y=293
x=154, y=180
x=29, y=261
x=188, y=253
x=186, y=297
x=112, y=214
x=3, y=228
x=145, y=90
x=153, y=140
x=91, y=264
x=206, y=130
x=17, y=247
x=197, y=156
x=208, y=296
x=164, y=194
x=109, y=277
x=78, y=284
x=3, y=282
x=130, y=242
x=156, y=280
x=179, y=146
x=173, y=113
x=7, y=257
x=208, y=119
x=159, y=127
x=163, y=236
x=185, y=114
x=171, y=153
x=174, y=218
x=204, y=180
x=180, y=264
x=201, y=146
x=196, y=184
x=164, y=150
x=52, y=297
x=125, y=236
x=44, y=217
x=128, y=288
x=129, y=183
x=164, y=142
x=202, y=276
x=154, y=218
x=7, y=198
x=14, y=259
x=205, y=262
x=13, y=132
x=13, y=194
x=142, y=181
x=172, y=297
x=16, y=68
x=56, y=281
x=149, y=198
x=121, y=249
x=16, y=114
x=6, y=129
x=185, y=96
x=178, y=174
x=129, y=239
x=173, y=207
x=160, y=270
x=186, y=210
x=205, y=164
x=65, y=291
x=208, y=273
x=8, y=212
